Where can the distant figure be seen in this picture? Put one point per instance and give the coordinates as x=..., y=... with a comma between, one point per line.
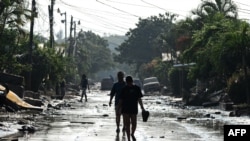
x=84, y=85
x=62, y=87
x=130, y=97
x=57, y=88
x=116, y=92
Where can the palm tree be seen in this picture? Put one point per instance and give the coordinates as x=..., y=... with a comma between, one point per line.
x=226, y=7
x=13, y=14
x=206, y=11
x=241, y=39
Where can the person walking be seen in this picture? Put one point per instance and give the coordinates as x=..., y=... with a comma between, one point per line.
x=115, y=92
x=84, y=85
x=62, y=88
x=128, y=103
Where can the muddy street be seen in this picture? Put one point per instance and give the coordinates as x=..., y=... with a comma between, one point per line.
x=95, y=120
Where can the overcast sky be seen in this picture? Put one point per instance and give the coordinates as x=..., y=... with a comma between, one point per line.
x=114, y=16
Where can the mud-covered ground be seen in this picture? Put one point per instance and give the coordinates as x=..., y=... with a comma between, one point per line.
x=71, y=120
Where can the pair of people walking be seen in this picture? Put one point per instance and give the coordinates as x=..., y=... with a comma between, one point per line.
x=127, y=97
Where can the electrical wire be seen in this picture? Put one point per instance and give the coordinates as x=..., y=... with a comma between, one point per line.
x=242, y=3
x=99, y=19
x=160, y=8
x=115, y=21
x=130, y=4
x=117, y=9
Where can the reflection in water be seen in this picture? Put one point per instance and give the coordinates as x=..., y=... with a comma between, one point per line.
x=123, y=138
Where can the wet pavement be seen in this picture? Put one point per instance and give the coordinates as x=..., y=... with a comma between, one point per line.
x=95, y=121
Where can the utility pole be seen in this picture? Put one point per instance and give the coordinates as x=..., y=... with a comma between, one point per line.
x=33, y=15
x=65, y=22
x=75, y=42
x=74, y=46
x=51, y=22
x=70, y=37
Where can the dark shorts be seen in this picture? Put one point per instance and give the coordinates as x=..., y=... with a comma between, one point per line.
x=84, y=91
x=118, y=111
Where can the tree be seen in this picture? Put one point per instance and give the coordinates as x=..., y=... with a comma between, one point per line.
x=10, y=51
x=206, y=11
x=212, y=19
x=13, y=15
x=239, y=40
x=51, y=64
x=157, y=68
x=142, y=44
x=225, y=7
x=47, y=65
x=209, y=53
x=92, y=54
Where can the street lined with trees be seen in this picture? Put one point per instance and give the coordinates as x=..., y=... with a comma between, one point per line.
x=213, y=38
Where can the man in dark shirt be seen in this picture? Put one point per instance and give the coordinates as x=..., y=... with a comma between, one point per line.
x=130, y=97
x=115, y=92
x=84, y=85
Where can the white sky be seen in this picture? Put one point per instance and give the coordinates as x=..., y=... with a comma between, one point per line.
x=106, y=17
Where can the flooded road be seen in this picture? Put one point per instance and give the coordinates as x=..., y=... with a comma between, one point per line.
x=95, y=121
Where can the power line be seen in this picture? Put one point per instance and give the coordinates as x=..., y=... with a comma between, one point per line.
x=242, y=3
x=104, y=23
x=118, y=9
x=154, y=5
x=131, y=4
x=101, y=15
x=93, y=12
x=68, y=4
x=244, y=9
x=244, y=12
x=108, y=23
x=159, y=7
x=100, y=20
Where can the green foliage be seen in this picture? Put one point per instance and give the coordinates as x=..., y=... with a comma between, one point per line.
x=114, y=41
x=48, y=65
x=236, y=88
x=179, y=82
x=11, y=51
x=142, y=43
x=13, y=15
x=92, y=54
x=221, y=47
x=156, y=68
x=208, y=50
x=226, y=7
x=174, y=79
x=184, y=31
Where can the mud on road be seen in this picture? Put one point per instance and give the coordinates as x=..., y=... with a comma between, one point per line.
x=71, y=120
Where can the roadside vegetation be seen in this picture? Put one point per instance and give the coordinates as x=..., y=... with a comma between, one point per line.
x=213, y=39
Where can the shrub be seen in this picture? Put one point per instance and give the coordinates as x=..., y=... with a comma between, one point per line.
x=236, y=88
